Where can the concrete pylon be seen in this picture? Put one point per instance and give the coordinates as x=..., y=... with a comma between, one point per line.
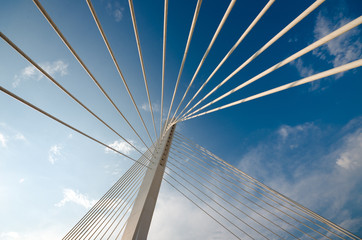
x=140, y=218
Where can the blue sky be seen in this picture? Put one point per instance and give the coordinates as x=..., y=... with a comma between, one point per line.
x=305, y=142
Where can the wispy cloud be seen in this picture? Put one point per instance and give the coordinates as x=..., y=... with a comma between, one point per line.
x=115, y=10
x=121, y=146
x=295, y=160
x=9, y=235
x=306, y=70
x=303, y=69
x=30, y=72
x=54, y=153
x=341, y=50
x=287, y=132
x=20, y=136
x=45, y=233
x=113, y=169
x=293, y=40
x=146, y=107
x=197, y=226
x=21, y=180
x=350, y=156
x=8, y=134
x=3, y=140
x=69, y=195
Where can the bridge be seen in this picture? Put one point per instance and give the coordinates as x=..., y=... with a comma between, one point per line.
x=239, y=204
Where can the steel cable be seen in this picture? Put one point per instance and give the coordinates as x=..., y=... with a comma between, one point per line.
x=65, y=41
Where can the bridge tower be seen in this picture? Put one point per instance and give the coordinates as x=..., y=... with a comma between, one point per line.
x=140, y=218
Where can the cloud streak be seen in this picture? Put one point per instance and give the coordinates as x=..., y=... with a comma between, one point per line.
x=3, y=140
x=120, y=146
x=8, y=135
x=45, y=233
x=9, y=235
x=20, y=137
x=192, y=223
x=146, y=107
x=306, y=71
x=341, y=50
x=54, y=153
x=296, y=161
x=350, y=154
x=30, y=72
x=115, y=10
x=69, y=195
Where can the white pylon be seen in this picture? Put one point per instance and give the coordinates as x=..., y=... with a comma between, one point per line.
x=140, y=218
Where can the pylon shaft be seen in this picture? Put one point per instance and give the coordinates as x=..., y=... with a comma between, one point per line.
x=139, y=221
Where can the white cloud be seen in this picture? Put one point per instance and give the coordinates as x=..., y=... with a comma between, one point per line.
x=121, y=146
x=293, y=40
x=306, y=71
x=115, y=10
x=290, y=136
x=54, y=153
x=3, y=140
x=350, y=156
x=21, y=180
x=341, y=50
x=344, y=162
x=317, y=166
x=192, y=223
x=9, y=134
x=56, y=67
x=9, y=235
x=45, y=233
x=283, y=131
x=30, y=72
x=20, y=136
x=69, y=195
x=118, y=14
x=146, y=107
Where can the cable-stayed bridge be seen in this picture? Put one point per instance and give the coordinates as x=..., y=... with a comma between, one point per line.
x=244, y=207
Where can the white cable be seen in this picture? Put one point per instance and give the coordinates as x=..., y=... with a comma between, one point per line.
x=90, y=5
x=262, y=12
x=141, y=60
x=300, y=53
x=65, y=124
x=348, y=66
x=163, y=59
x=221, y=24
x=21, y=52
x=193, y=24
x=65, y=41
x=268, y=44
